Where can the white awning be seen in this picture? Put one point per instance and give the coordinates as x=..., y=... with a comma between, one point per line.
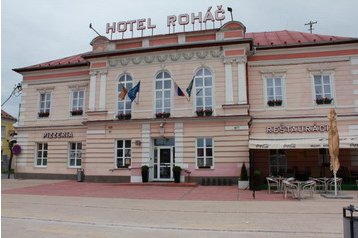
x=304, y=143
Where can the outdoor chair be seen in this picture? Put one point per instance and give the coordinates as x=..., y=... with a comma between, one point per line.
x=320, y=184
x=289, y=188
x=330, y=184
x=273, y=183
x=308, y=188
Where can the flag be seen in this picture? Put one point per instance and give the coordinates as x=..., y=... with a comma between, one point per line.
x=122, y=94
x=178, y=90
x=190, y=87
x=132, y=94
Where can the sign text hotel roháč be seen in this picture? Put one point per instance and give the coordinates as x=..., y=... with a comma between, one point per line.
x=172, y=20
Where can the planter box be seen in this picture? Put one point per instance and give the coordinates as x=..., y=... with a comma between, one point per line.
x=243, y=184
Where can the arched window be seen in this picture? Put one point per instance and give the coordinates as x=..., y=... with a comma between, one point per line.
x=124, y=106
x=203, y=89
x=163, y=86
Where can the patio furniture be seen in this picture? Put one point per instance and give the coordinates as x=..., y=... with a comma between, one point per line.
x=330, y=184
x=308, y=187
x=289, y=187
x=273, y=182
x=321, y=184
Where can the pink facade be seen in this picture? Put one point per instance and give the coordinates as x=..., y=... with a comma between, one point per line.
x=243, y=84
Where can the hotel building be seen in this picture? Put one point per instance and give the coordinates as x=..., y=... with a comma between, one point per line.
x=256, y=98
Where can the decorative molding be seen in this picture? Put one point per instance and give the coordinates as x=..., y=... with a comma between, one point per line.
x=78, y=86
x=174, y=57
x=47, y=89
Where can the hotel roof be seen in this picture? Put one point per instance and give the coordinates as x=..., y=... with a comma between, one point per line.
x=261, y=40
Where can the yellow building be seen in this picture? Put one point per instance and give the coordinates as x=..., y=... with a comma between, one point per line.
x=7, y=122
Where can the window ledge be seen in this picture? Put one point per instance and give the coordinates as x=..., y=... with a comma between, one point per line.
x=121, y=168
x=204, y=167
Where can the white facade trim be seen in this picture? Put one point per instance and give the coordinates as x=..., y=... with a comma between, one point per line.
x=229, y=96
x=136, y=179
x=179, y=145
x=354, y=71
x=354, y=60
x=102, y=91
x=92, y=94
x=145, y=143
x=241, y=72
x=96, y=132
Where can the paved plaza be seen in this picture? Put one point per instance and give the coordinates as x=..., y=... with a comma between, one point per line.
x=44, y=208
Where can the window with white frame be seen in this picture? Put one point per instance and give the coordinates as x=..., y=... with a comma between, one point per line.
x=204, y=152
x=77, y=102
x=323, y=88
x=278, y=162
x=41, y=154
x=124, y=153
x=274, y=91
x=125, y=83
x=163, y=88
x=75, y=154
x=203, y=89
x=45, y=104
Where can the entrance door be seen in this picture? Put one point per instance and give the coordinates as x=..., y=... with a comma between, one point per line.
x=163, y=163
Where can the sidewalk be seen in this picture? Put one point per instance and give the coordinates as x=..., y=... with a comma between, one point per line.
x=47, y=208
x=135, y=191
x=139, y=191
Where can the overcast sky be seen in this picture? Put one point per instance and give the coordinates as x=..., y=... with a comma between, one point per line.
x=36, y=31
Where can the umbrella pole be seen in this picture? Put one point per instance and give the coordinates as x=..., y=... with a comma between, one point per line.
x=335, y=182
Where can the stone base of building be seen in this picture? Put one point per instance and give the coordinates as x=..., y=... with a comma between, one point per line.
x=213, y=181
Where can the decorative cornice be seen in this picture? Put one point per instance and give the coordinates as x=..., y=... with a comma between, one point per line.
x=168, y=57
x=239, y=60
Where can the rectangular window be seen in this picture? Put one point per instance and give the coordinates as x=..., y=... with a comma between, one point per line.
x=77, y=102
x=274, y=91
x=3, y=131
x=45, y=104
x=41, y=154
x=75, y=154
x=204, y=152
x=278, y=162
x=323, y=88
x=124, y=153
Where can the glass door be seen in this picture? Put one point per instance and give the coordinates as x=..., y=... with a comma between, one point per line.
x=163, y=163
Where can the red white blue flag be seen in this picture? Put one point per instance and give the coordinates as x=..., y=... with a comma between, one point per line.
x=178, y=91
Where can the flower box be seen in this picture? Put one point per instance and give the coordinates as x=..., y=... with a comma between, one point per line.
x=206, y=112
x=76, y=112
x=272, y=103
x=124, y=116
x=44, y=114
x=162, y=115
x=324, y=100
x=278, y=102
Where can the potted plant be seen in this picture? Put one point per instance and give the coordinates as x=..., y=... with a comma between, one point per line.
x=208, y=112
x=319, y=100
x=244, y=178
x=145, y=173
x=43, y=114
x=278, y=102
x=176, y=172
x=271, y=103
x=327, y=100
x=200, y=112
x=77, y=112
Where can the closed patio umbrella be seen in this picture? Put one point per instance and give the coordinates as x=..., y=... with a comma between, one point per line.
x=333, y=145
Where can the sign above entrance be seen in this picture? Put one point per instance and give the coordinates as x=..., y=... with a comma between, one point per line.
x=182, y=19
x=297, y=129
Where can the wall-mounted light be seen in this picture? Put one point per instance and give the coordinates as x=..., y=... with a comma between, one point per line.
x=137, y=142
